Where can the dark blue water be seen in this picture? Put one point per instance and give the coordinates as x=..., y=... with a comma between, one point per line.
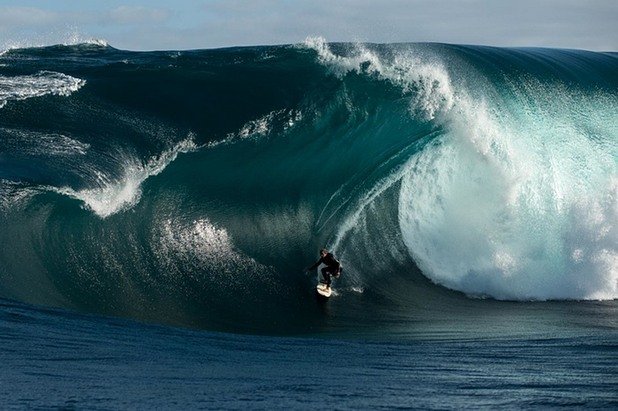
x=157, y=211
x=57, y=359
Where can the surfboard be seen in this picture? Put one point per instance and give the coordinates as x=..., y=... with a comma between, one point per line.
x=323, y=290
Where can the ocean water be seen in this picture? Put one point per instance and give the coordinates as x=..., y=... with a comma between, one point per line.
x=158, y=210
x=59, y=359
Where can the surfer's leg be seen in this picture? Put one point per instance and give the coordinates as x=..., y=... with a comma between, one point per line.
x=326, y=276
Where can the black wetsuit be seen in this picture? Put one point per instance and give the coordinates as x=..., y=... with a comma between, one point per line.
x=332, y=267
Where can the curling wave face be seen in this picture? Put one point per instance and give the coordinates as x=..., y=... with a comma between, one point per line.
x=193, y=187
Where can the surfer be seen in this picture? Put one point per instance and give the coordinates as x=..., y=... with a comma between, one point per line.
x=333, y=267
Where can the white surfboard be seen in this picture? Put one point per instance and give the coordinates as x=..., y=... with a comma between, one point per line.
x=323, y=290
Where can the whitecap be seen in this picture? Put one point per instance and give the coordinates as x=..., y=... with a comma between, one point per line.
x=37, y=85
x=112, y=195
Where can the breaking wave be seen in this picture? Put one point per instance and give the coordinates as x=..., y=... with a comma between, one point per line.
x=193, y=187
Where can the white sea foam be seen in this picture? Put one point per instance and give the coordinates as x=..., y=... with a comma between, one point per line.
x=519, y=203
x=518, y=199
x=111, y=195
x=92, y=41
x=42, y=144
x=37, y=85
x=427, y=83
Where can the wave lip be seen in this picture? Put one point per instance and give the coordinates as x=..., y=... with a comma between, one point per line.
x=68, y=40
x=426, y=82
x=37, y=85
x=113, y=195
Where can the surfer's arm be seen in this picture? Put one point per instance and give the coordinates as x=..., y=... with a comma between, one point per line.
x=315, y=265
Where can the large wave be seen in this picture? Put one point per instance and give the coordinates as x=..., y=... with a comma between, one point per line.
x=194, y=186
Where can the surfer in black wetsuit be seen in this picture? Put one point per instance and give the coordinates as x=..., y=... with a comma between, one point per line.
x=333, y=267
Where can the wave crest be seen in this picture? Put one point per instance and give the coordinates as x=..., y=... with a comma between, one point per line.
x=428, y=83
x=37, y=85
x=110, y=196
